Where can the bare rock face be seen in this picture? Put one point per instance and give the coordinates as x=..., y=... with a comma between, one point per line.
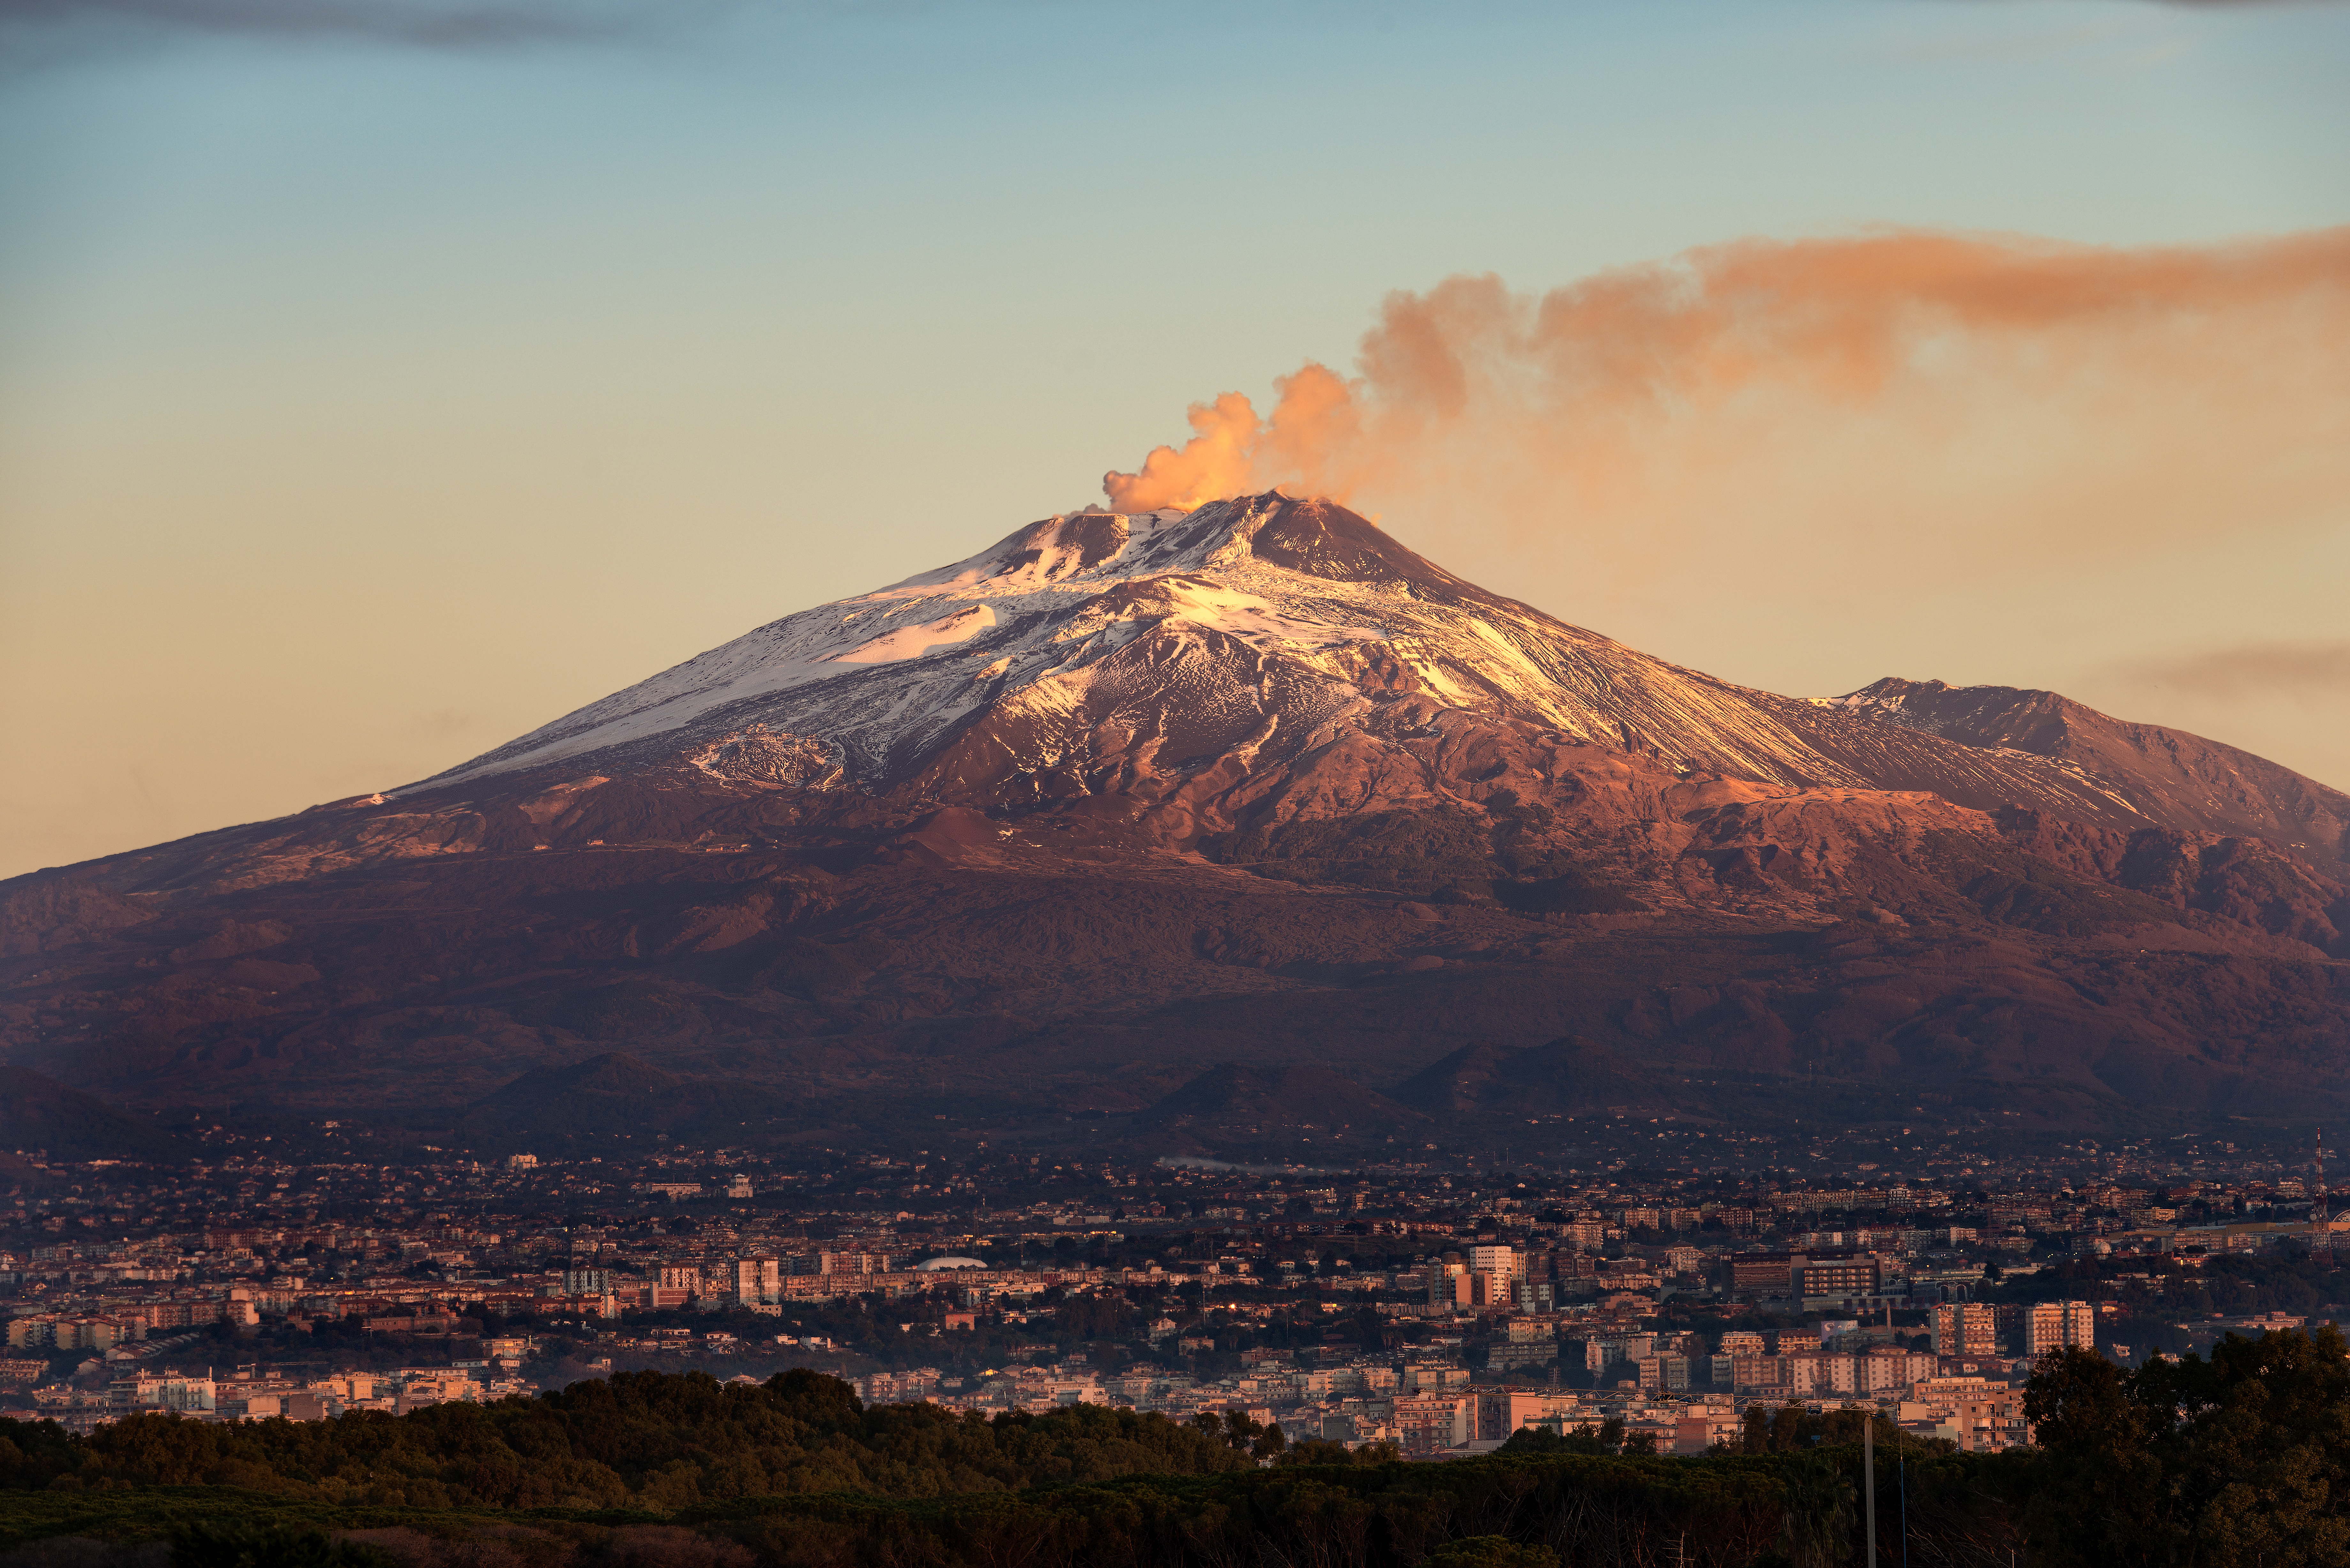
x=1126, y=803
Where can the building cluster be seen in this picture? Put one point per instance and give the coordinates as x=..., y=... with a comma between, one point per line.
x=1438, y=1310
x=1436, y=1407
x=256, y=1393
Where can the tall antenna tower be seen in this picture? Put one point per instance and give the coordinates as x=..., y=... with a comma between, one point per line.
x=2317, y=1197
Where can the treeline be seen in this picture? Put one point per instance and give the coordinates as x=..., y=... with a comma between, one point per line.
x=651, y=1440
x=2240, y=1461
x=1516, y=1510
x=1499, y=1511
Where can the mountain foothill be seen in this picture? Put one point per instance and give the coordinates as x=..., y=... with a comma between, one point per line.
x=1239, y=830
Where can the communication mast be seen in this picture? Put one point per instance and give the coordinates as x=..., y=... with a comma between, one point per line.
x=2317, y=1196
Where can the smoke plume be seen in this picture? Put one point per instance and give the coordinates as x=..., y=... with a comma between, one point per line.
x=2014, y=392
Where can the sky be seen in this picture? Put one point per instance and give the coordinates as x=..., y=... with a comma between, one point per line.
x=381, y=379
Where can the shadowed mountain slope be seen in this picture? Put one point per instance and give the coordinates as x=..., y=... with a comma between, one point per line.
x=616, y=1096
x=40, y=1116
x=1124, y=810
x=1236, y=1105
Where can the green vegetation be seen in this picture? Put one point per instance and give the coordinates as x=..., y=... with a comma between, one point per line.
x=2240, y=1461
x=1373, y=1514
x=648, y=1440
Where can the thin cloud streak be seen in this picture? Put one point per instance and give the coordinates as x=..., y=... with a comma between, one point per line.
x=2304, y=671
x=416, y=24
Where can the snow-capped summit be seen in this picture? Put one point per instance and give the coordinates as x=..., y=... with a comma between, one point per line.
x=1181, y=660
x=1262, y=616
x=884, y=676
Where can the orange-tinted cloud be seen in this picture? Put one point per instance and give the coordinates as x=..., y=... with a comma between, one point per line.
x=2049, y=388
x=2296, y=671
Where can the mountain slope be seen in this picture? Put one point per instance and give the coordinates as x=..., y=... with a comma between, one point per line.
x=1093, y=653
x=1070, y=822
x=1236, y=1105
x=2170, y=777
x=39, y=1114
x=612, y=1097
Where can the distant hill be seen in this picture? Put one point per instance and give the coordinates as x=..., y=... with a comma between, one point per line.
x=37, y=1113
x=614, y=1097
x=1235, y=1107
x=1565, y=1076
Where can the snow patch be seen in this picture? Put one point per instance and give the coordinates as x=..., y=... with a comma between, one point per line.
x=913, y=641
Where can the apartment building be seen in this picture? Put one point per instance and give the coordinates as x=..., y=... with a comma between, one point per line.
x=2053, y=1326
x=1811, y=1374
x=1496, y=1260
x=1463, y=1285
x=758, y=1281
x=1977, y=1415
x=1427, y=1423
x=1504, y=1411
x=1667, y=1372
x=852, y=1262
x=1601, y=1352
x=1424, y=1377
x=1840, y=1273
x=1440, y=1277
x=1964, y=1328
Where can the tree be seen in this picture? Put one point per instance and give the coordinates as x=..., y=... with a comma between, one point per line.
x=2100, y=1497
x=1322, y=1451
x=1607, y=1438
x=2260, y=1450
x=2242, y=1462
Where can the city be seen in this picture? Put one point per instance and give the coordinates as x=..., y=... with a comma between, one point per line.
x=1432, y=1311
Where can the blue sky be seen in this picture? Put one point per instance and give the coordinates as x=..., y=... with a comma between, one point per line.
x=363, y=401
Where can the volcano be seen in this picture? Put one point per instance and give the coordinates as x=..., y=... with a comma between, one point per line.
x=1126, y=805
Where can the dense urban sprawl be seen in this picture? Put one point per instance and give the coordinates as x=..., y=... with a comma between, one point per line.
x=1435, y=1310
